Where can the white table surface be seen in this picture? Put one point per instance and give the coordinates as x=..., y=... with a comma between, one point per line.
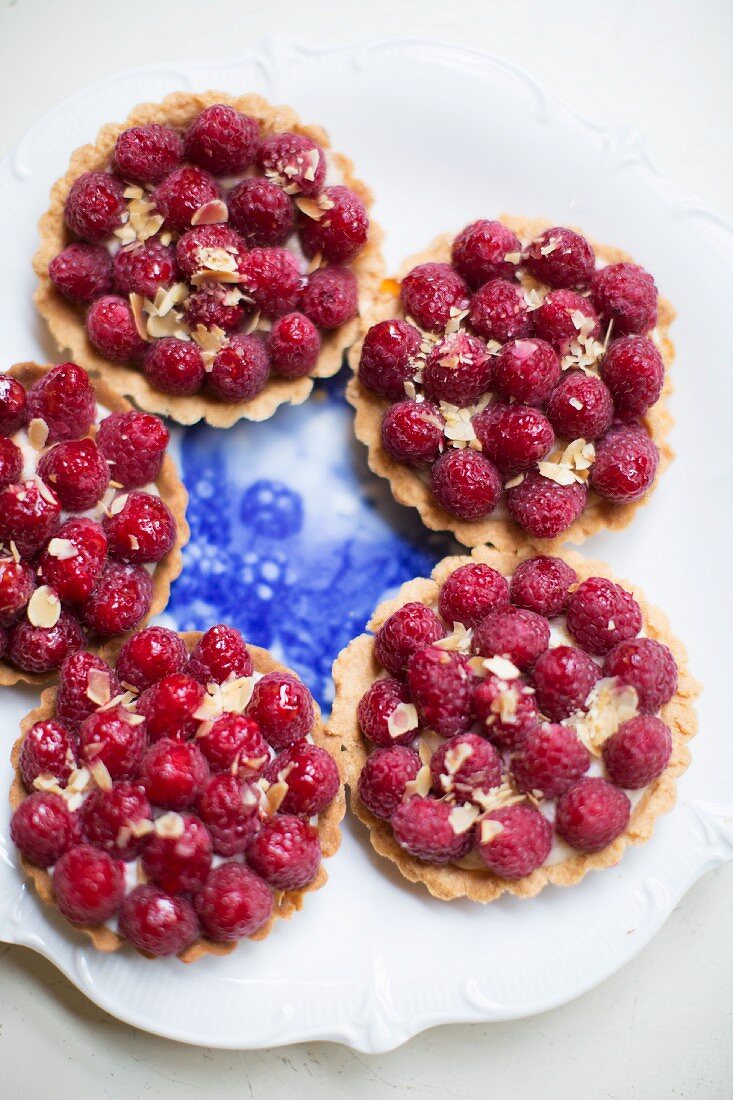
x=660, y=1028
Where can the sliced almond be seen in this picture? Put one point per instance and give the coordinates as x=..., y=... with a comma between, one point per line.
x=44, y=607
x=402, y=720
x=170, y=826
x=462, y=818
x=101, y=775
x=98, y=686
x=502, y=667
x=61, y=549
x=211, y=213
x=489, y=830
x=421, y=784
x=274, y=797
x=118, y=504
x=37, y=433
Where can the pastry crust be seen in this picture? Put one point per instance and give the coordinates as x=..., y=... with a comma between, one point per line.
x=286, y=904
x=66, y=322
x=356, y=668
x=171, y=490
x=500, y=531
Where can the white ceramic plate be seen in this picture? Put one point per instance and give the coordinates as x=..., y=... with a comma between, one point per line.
x=443, y=135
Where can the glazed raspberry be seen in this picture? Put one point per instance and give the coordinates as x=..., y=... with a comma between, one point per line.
x=73, y=700
x=81, y=272
x=550, y=759
x=626, y=294
x=149, y=656
x=261, y=212
x=169, y=707
x=285, y=853
x=330, y=297
x=95, y=206
x=115, y=737
x=47, y=749
x=648, y=667
x=13, y=405
x=430, y=292
x=376, y=707
x=512, y=632
x=73, y=561
x=563, y=678
x=143, y=530
x=562, y=316
x=240, y=369
x=294, y=345
x=182, y=193
x=592, y=814
x=3, y=640
x=271, y=278
x=109, y=819
x=526, y=371
x=412, y=432
x=174, y=366
x=422, y=827
x=230, y=811
x=43, y=829
x=520, y=846
x=440, y=687
x=559, y=257
x=42, y=649
x=633, y=370
x=64, y=398
x=470, y=593
x=293, y=161
x=466, y=484
x=311, y=775
x=173, y=773
x=638, y=752
x=221, y=654
x=282, y=707
x=542, y=585
x=499, y=311
x=222, y=140
x=513, y=437
x=408, y=629
x=134, y=444
x=179, y=864
x=458, y=370
x=111, y=330
x=214, y=307
x=234, y=744
x=120, y=601
x=89, y=885
x=30, y=512
x=625, y=465
x=542, y=507
x=463, y=765
x=144, y=268
x=480, y=251
x=194, y=244
x=77, y=473
x=580, y=406
x=506, y=710
x=387, y=355
x=157, y=923
x=16, y=588
x=601, y=614
x=233, y=903
x=384, y=777
x=145, y=154
x=342, y=229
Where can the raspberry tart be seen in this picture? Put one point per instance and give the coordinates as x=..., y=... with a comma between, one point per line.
x=179, y=798
x=208, y=256
x=92, y=517
x=511, y=384
x=515, y=721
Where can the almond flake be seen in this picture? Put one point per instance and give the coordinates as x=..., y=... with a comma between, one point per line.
x=138, y=316
x=123, y=836
x=209, y=708
x=310, y=208
x=459, y=641
x=462, y=818
x=102, y=778
x=118, y=504
x=274, y=797
x=44, y=607
x=14, y=552
x=608, y=706
x=402, y=719
x=424, y=751
x=61, y=549
x=134, y=542
x=47, y=782
x=45, y=492
x=235, y=694
x=211, y=213
x=490, y=829
x=501, y=667
x=143, y=827
x=550, y=246
x=553, y=471
x=498, y=797
x=456, y=756
x=170, y=825
x=514, y=481
x=313, y=157
x=210, y=340
x=165, y=300
x=576, y=403
x=421, y=784
x=98, y=686
x=513, y=257
x=252, y=324
x=37, y=433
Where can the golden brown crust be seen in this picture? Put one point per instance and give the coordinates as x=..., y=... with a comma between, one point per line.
x=171, y=490
x=500, y=531
x=67, y=324
x=288, y=903
x=356, y=668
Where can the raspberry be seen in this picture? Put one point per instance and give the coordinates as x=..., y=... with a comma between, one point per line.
x=387, y=355
x=233, y=903
x=293, y=161
x=625, y=465
x=375, y=709
x=285, y=853
x=543, y=508
x=633, y=370
x=222, y=140
x=470, y=593
x=149, y=656
x=558, y=319
x=116, y=738
x=520, y=845
x=77, y=473
x=182, y=193
x=330, y=297
x=580, y=406
x=220, y=654
x=173, y=773
x=459, y=370
x=422, y=827
x=601, y=614
x=120, y=600
x=408, y=629
x=156, y=923
x=311, y=776
x=64, y=398
x=74, y=577
x=294, y=345
x=542, y=585
x=213, y=307
x=194, y=244
x=143, y=530
x=42, y=828
x=144, y=268
x=234, y=744
x=43, y=649
x=440, y=686
x=559, y=257
x=29, y=514
x=47, y=749
x=499, y=311
x=638, y=752
x=16, y=588
x=506, y=711
x=466, y=484
x=145, y=154
x=134, y=443
x=73, y=702
x=271, y=278
x=592, y=814
x=625, y=294
x=108, y=819
x=526, y=371
x=430, y=292
x=384, y=777
x=3, y=641
x=179, y=864
x=550, y=759
x=89, y=885
x=412, y=432
x=282, y=707
x=261, y=212
x=513, y=437
x=174, y=366
x=13, y=405
x=81, y=272
x=169, y=707
x=342, y=229
x=648, y=667
x=479, y=252
x=563, y=678
x=112, y=331
x=512, y=632
x=230, y=812
x=94, y=206
x=465, y=764
x=240, y=369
